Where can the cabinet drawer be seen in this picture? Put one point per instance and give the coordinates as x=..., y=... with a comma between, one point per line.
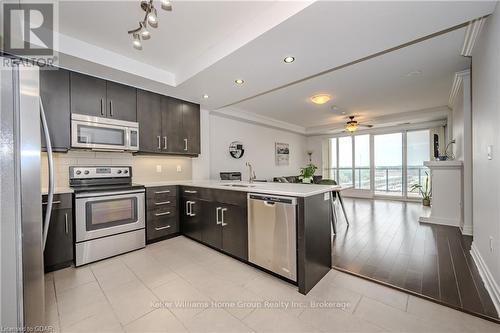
x=159, y=227
x=161, y=212
x=167, y=202
x=196, y=192
x=60, y=201
x=161, y=193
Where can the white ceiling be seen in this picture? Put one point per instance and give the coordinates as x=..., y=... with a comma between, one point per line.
x=203, y=46
x=373, y=88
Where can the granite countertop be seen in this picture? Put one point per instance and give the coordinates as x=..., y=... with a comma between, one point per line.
x=288, y=189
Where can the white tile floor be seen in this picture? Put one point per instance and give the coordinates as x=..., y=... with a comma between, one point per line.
x=181, y=286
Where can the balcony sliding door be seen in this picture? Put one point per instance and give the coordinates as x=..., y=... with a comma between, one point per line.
x=362, y=162
x=388, y=152
x=418, y=150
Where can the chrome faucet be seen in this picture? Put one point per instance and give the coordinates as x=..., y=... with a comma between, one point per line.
x=251, y=173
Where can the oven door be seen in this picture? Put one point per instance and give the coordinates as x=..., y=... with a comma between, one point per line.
x=99, y=136
x=108, y=213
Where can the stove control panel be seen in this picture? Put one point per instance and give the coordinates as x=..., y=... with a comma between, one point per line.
x=88, y=172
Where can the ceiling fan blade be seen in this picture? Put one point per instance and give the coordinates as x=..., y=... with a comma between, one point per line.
x=363, y=125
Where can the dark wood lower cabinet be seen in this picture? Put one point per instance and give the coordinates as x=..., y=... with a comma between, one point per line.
x=218, y=224
x=162, y=213
x=59, y=251
x=234, y=229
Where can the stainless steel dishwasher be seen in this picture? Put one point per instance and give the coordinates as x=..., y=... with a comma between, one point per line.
x=272, y=233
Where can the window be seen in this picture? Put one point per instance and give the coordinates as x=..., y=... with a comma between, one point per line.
x=362, y=162
x=389, y=163
x=332, y=171
x=345, y=161
x=418, y=151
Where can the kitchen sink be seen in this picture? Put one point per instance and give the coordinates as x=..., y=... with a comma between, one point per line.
x=238, y=185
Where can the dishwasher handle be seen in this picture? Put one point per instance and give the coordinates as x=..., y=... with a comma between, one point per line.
x=270, y=200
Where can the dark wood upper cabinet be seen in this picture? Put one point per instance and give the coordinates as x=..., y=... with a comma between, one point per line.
x=172, y=124
x=149, y=116
x=54, y=92
x=100, y=98
x=88, y=95
x=191, y=128
x=120, y=101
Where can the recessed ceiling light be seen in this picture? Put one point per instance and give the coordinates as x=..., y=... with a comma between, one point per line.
x=289, y=60
x=414, y=73
x=239, y=81
x=321, y=98
x=205, y=96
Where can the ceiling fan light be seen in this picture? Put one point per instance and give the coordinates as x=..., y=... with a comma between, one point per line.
x=351, y=128
x=136, y=42
x=166, y=5
x=153, y=18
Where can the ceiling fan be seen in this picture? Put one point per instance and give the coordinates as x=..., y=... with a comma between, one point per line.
x=352, y=125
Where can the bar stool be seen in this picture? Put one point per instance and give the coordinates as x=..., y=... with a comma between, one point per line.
x=333, y=196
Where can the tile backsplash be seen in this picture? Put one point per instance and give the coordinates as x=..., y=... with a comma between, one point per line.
x=144, y=168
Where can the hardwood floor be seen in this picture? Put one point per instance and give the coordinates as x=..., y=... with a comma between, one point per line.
x=386, y=243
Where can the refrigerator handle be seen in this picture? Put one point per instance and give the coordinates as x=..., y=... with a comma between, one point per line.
x=50, y=159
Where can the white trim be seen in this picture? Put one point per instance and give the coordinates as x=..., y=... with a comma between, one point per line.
x=473, y=30
x=466, y=230
x=457, y=83
x=439, y=220
x=488, y=280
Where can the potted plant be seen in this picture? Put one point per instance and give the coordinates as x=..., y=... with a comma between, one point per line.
x=425, y=190
x=307, y=173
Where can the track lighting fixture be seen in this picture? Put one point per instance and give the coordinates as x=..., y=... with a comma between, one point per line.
x=150, y=20
x=137, y=41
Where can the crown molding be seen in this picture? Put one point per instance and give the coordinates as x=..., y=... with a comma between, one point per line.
x=252, y=118
x=405, y=119
x=471, y=33
x=457, y=83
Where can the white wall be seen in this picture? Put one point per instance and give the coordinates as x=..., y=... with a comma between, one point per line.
x=486, y=132
x=259, y=141
x=201, y=164
x=458, y=124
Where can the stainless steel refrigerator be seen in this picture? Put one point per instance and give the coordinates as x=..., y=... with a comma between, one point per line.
x=21, y=227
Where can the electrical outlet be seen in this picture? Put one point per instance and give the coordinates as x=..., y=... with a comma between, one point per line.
x=158, y=168
x=490, y=152
x=179, y=168
x=491, y=244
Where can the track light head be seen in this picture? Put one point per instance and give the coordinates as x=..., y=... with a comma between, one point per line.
x=145, y=34
x=136, y=42
x=153, y=18
x=166, y=5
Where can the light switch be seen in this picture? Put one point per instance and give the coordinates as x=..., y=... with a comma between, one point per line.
x=490, y=152
x=158, y=168
x=179, y=168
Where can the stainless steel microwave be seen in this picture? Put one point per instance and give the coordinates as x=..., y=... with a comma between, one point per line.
x=103, y=133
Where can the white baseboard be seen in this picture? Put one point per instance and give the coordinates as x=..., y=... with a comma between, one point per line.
x=488, y=280
x=466, y=230
x=439, y=220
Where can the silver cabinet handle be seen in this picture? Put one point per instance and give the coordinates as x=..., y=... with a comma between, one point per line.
x=162, y=214
x=217, y=215
x=53, y=202
x=111, y=108
x=187, y=208
x=162, y=203
x=191, y=203
x=66, y=227
x=161, y=192
x=165, y=142
x=162, y=228
x=159, y=141
x=222, y=220
x=190, y=191
x=185, y=144
x=102, y=107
